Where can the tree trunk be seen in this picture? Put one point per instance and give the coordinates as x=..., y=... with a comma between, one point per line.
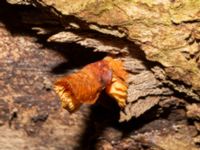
x=158, y=42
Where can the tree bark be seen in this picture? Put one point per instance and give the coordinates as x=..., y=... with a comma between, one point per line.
x=158, y=41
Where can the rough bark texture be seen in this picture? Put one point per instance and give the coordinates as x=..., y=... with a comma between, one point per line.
x=159, y=44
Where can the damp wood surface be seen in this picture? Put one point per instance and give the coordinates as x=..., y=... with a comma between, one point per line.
x=158, y=41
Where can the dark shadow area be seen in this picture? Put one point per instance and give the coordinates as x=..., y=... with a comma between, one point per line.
x=76, y=55
x=19, y=19
x=105, y=114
